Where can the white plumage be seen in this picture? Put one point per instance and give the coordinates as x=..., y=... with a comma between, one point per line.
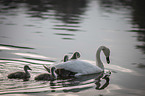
x=82, y=67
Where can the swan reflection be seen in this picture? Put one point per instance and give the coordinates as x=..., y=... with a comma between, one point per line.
x=81, y=83
x=98, y=84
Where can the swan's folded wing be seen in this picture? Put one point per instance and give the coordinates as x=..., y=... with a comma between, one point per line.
x=79, y=67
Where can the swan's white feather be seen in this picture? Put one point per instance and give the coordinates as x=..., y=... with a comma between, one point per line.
x=81, y=67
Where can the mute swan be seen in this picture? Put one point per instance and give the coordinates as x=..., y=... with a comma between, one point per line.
x=47, y=76
x=82, y=67
x=21, y=75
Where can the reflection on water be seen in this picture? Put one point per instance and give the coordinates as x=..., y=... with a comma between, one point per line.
x=13, y=46
x=29, y=31
x=138, y=16
x=138, y=19
x=66, y=13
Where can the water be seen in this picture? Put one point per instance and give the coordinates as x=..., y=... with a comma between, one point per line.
x=42, y=31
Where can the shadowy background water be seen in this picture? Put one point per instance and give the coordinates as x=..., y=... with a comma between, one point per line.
x=37, y=32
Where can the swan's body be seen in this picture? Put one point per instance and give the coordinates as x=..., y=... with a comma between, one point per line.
x=47, y=76
x=21, y=75
x=83, y=68
x=79, y=67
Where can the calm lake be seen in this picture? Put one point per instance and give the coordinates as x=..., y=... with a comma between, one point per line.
x=41, y=32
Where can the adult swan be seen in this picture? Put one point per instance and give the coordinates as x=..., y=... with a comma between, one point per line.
x=82, y=68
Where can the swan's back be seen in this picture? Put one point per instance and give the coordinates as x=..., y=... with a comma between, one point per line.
x=43, y=76
x=79, y=66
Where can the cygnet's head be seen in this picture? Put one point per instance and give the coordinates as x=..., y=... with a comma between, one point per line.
x=77, y=54
x=107, y=53
x=26, y=67
x=65, y=58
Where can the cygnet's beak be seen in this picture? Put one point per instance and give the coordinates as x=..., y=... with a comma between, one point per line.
x=30, y=68
x=108, y=60
x=47, y=69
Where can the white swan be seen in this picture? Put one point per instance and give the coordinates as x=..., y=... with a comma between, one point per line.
x=82, y=67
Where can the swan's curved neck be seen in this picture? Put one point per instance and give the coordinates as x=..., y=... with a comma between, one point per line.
x=26, y=71
x=98, y=60
x=53, y=74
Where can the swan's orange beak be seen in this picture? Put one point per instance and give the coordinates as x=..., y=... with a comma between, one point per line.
x=108, y=60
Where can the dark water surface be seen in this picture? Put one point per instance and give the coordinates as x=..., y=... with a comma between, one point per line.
x=37, y=32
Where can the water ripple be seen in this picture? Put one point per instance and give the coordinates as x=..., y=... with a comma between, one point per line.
x=14, y=46
x=12, y=86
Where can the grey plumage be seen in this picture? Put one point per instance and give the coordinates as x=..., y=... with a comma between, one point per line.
x=47, y=76
x=75, y=55
x=21, y=75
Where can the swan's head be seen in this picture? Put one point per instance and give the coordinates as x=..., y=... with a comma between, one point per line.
x=107, y=53
x=26, y=67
